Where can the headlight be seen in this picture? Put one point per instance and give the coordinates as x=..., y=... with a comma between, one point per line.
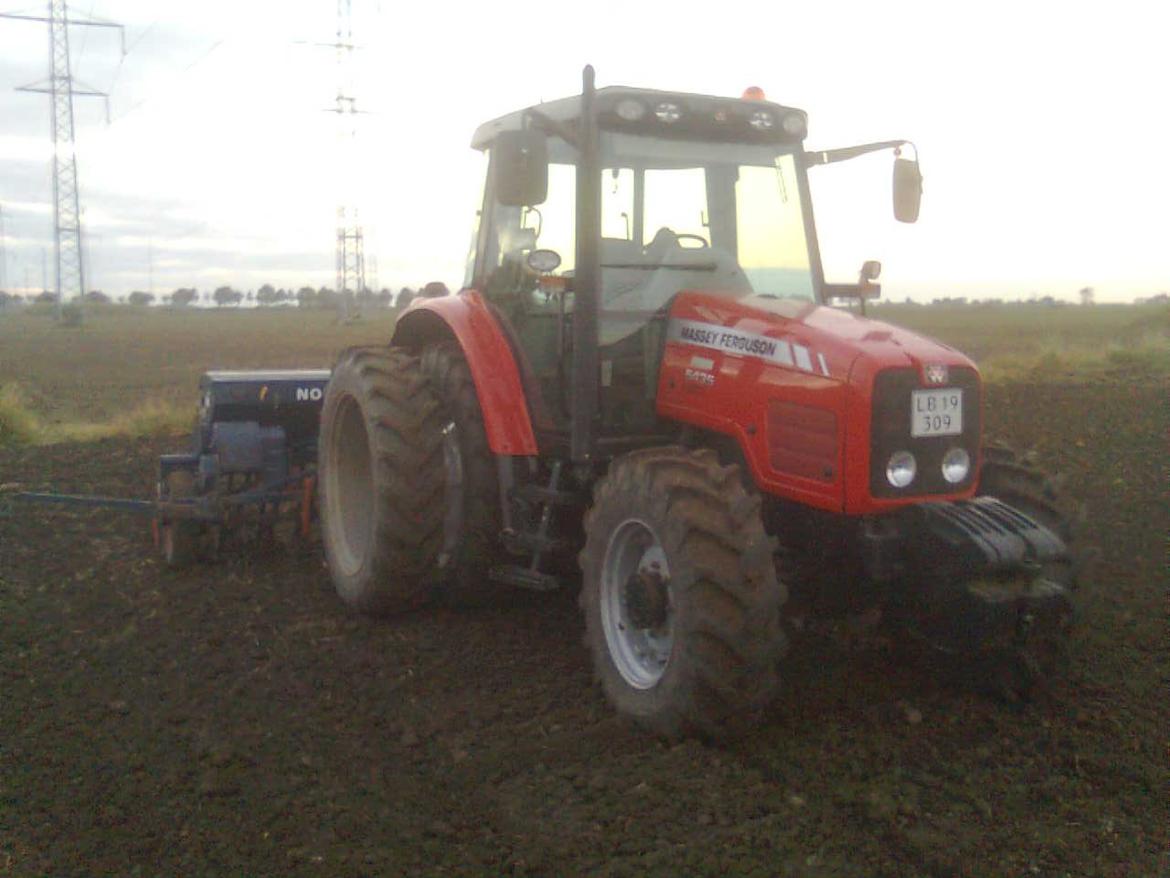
x=956, y=464
x=668, y=112
x=901, y=469
x=795, y=124
x=630, y=109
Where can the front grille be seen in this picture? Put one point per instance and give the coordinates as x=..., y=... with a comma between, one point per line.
x=890, y=432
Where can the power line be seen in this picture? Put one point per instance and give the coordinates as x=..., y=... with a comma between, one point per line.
x=141, y=36
x=130, y=48
x=84, y=38
x=146, y=100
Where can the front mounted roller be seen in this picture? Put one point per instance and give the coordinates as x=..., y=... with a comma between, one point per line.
x=680, y=594
x=381, y=480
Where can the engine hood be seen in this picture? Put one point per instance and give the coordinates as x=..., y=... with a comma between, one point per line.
x=826, y=341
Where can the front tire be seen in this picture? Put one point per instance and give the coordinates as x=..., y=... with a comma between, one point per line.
x=680, y=594
x=381, y=480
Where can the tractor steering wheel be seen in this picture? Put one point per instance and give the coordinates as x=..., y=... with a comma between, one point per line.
x=666, y=239
x=686, y=236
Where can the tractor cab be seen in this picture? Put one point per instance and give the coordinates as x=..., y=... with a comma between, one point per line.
x=663, y=193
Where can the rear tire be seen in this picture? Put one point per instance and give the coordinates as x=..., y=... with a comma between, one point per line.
x=381, y=480
x=467, y=582
x=680, y=594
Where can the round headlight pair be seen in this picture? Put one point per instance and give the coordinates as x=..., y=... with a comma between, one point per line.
x=902, y=467
x=792, y=123
x=632, y=110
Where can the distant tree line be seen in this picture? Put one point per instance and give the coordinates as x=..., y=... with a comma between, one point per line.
x=327, y=299
x=1160, y=299
x=306, y=297
x=227, y=296
x=1087, y=296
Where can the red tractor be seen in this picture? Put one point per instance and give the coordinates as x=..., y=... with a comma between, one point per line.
x=643, y=371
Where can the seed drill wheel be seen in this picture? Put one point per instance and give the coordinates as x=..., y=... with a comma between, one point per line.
x=680, y=594
x=1019, y=670
x=179, y=538
x=381, y=480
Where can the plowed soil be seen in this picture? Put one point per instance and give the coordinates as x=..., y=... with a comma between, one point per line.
x=234, y=719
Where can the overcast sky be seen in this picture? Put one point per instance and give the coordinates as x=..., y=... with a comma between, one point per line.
x=1041, y=129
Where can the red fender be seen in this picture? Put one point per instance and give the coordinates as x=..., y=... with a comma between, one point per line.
x=493, y=367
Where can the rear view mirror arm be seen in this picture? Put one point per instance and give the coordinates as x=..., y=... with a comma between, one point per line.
x=829, y=156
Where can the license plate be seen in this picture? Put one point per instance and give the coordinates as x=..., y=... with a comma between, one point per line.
x=936, y=412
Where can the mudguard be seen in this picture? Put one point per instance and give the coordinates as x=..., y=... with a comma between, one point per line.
x=467, y=317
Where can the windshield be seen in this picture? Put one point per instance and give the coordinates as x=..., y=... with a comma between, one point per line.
x=740, y=202
x=675, y=215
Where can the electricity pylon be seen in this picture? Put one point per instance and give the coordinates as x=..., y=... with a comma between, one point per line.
x=61, y=87
x=351, y=249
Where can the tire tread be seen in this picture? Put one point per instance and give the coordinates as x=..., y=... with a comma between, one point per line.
x=722, y=570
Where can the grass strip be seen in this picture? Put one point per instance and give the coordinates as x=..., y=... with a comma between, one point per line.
x=21, y=425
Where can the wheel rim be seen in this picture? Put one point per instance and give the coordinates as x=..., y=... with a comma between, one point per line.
x=636, y=611
x=350, y=490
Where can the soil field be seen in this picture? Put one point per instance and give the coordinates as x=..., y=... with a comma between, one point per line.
x=235, y=719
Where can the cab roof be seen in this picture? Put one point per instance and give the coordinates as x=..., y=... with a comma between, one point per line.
x=699, y=116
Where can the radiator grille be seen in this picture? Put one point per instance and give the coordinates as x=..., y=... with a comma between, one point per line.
x=890, y=432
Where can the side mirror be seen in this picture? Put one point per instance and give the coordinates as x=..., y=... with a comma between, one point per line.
x=521, y=161
x=907, y=190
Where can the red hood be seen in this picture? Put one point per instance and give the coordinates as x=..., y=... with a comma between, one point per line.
x=839, y=337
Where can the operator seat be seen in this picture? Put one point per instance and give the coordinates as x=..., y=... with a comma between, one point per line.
x=669, y=269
